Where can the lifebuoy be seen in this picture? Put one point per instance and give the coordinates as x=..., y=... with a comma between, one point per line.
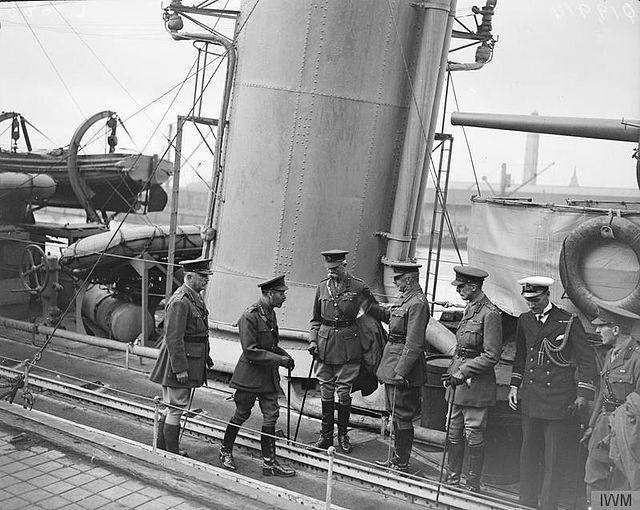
x=577, y=244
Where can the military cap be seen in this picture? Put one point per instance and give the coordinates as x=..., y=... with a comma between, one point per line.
x=334, y=258
x=533, y=286
x=611, y=314
x=400, y=268
x=275, y=283
x=199, y=265
x=468, y=274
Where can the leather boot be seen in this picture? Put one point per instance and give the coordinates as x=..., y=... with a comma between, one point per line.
x=270, y=464
x=455, y=455
x=172, y=439
x=326, y=432
x=343, y=424
x=476, y=460
x=160, y=443
x=226, y=450
x=399, y=461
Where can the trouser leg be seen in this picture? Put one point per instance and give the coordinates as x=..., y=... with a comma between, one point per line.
x=557, y=436
x=530, y=458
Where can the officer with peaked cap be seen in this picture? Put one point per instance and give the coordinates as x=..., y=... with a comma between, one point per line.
x=334, y=342
x=256, y=376
x=619, y=377
x=403, y=365
x=184, y=353
x=479, y=344
x=552, y=378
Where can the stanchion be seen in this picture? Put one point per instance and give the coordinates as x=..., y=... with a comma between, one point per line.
x=331, y=452
x=288, y=405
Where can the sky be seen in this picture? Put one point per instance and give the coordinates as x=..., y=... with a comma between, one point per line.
x=64, y=61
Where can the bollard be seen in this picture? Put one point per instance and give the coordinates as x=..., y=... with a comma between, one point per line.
x=331, y=452
x=156, y=412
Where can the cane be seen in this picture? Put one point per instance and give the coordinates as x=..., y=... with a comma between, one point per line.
x=186, y=417
x=288, y=405
x=304, y=399
x=446, y=439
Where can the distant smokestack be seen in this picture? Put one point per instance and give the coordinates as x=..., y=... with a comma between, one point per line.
x=531, y=157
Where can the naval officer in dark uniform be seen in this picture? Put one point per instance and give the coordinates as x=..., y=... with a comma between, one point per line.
x=552, y=378
x=184, y=353
x=479, y=344
x=403, y=365
x=619, y=377
x=334, y=342
x=256, y=376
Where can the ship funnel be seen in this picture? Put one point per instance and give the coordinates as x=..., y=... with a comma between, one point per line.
x=602, y=129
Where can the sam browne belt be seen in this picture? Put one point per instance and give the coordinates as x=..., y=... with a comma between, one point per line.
x=337, y=323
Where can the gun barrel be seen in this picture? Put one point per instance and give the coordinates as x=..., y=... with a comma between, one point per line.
x=603, y=129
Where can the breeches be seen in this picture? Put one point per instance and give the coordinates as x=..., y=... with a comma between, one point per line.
x=176, y=400
x=472, y=420
x=268, y=405
x=403, y=404
x=337, y=379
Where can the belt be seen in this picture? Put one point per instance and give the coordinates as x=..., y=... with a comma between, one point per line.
x=397, y=339
x=463, y=352
x=337, y=323
x=196, y=338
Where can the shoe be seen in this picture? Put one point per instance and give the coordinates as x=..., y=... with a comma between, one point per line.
x=226, y=459
x=393, y=464
x=271, y=467
x=344, y=443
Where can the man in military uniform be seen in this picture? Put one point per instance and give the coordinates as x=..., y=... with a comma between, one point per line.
x=184, y=353
x=334, y=342
x=402, y=368
x=256, y=376
x=552, y=379
x=479, y=344
x=619, y=377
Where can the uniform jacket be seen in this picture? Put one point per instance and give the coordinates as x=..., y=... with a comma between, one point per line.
x=186, y=317
x=480, y=330
x=619, y=377
x=257, y=367
x=548, y=370
x=338, y=343
x=625, y=440
x=408, y=318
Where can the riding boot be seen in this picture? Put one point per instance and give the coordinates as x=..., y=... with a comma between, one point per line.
x=455, y=455
x=343, y=423
x=226, y=450
x=160, y=442
x=172, y=439
x=326, y=432
x=270, y=464
x=476, y=460
x=404, y=442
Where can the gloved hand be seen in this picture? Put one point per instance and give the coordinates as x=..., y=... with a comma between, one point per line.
x=313, y=349
x=455, y=379
x=182, y=377
x=287, y=362
x=580, y=405
x=404, y=382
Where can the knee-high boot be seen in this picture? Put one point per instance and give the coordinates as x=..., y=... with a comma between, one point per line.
x=172, y=438
x=455, y=455
x=160, y=442
x=270, y=464
x=326, y=432
x=344, y=410
x=476, y=461
x=226, y=450
x=404, y=443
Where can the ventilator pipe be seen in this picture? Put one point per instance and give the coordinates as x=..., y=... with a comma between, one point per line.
x=207, y=245
x=417, y=144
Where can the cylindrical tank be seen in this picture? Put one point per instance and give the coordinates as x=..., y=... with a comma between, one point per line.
x=316, y=130
x=120, y=319
x=434, y=406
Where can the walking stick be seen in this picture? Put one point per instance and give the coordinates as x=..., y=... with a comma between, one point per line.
x=186, y=416
x=304, y=398
x=446, y=439
x=288, y=405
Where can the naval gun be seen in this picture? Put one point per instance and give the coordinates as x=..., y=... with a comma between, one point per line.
x=623, y=130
